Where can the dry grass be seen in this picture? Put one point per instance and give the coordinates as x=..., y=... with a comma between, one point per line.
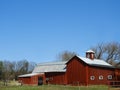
x=54, y=87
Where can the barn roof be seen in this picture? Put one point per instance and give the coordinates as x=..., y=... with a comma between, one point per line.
x=50, y=67
x=95, y=62
x=29, y=75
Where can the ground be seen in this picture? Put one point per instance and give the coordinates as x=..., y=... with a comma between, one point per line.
x=57, y=87
x=14, y=85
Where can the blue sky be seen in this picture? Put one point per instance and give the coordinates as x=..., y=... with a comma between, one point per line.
x=38, y=30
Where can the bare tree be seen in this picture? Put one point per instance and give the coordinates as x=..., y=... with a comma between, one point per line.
x=10, y=70
x=99, y=50
x=110, y=52
x=66, y=55
x=23, y=67
x=6, y=71
x=31, y=66
x=1, y=66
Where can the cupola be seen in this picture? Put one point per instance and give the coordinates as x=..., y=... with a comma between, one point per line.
x=90, y=54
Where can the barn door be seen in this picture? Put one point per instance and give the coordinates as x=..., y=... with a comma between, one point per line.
x=40, y=80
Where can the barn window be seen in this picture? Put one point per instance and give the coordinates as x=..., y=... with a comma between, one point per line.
x=92, y=77
x=100, y=77
x=109, y=77
x=47, y=79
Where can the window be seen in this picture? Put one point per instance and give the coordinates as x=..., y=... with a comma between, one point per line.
x=100, y=77
x=92, y=77
x=47, y=79
x=109, y=77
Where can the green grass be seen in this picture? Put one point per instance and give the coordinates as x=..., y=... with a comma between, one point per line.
x=54, y=87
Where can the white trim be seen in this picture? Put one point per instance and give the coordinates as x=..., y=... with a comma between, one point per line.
x=109, y=77
x=30, y=75
x=100, y=77
x=92, y=77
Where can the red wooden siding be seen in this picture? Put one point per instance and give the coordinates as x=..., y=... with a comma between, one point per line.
x=76, y=72
x=56, y=77
x=97, y=72
x=25, y=80
x=117, y=74
x=33, y=80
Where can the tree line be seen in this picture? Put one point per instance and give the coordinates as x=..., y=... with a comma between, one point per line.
x=10, y=70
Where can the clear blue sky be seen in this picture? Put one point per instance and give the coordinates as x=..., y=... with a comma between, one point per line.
x=38, y=30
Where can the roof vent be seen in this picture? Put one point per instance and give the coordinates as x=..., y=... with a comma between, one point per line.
x=90, y=54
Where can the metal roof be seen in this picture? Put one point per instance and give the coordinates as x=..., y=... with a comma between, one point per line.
x=50, y=67
x=61, y=66
x=95, y=62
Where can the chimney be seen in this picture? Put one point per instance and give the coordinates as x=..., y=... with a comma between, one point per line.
x=90, y=54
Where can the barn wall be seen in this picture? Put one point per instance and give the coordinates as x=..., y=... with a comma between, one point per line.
x=25, y=80
x=55, y=78
x=76, y=72
x=117, y=74
x=99, y=72
x=33, y=80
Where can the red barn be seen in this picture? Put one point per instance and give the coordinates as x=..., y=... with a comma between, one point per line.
x=76, y=71
x=82, y=71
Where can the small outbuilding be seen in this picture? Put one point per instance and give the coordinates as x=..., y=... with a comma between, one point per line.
x=46, y=73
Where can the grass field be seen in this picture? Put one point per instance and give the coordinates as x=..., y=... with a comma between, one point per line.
x=56, y=87
x=14, y=85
